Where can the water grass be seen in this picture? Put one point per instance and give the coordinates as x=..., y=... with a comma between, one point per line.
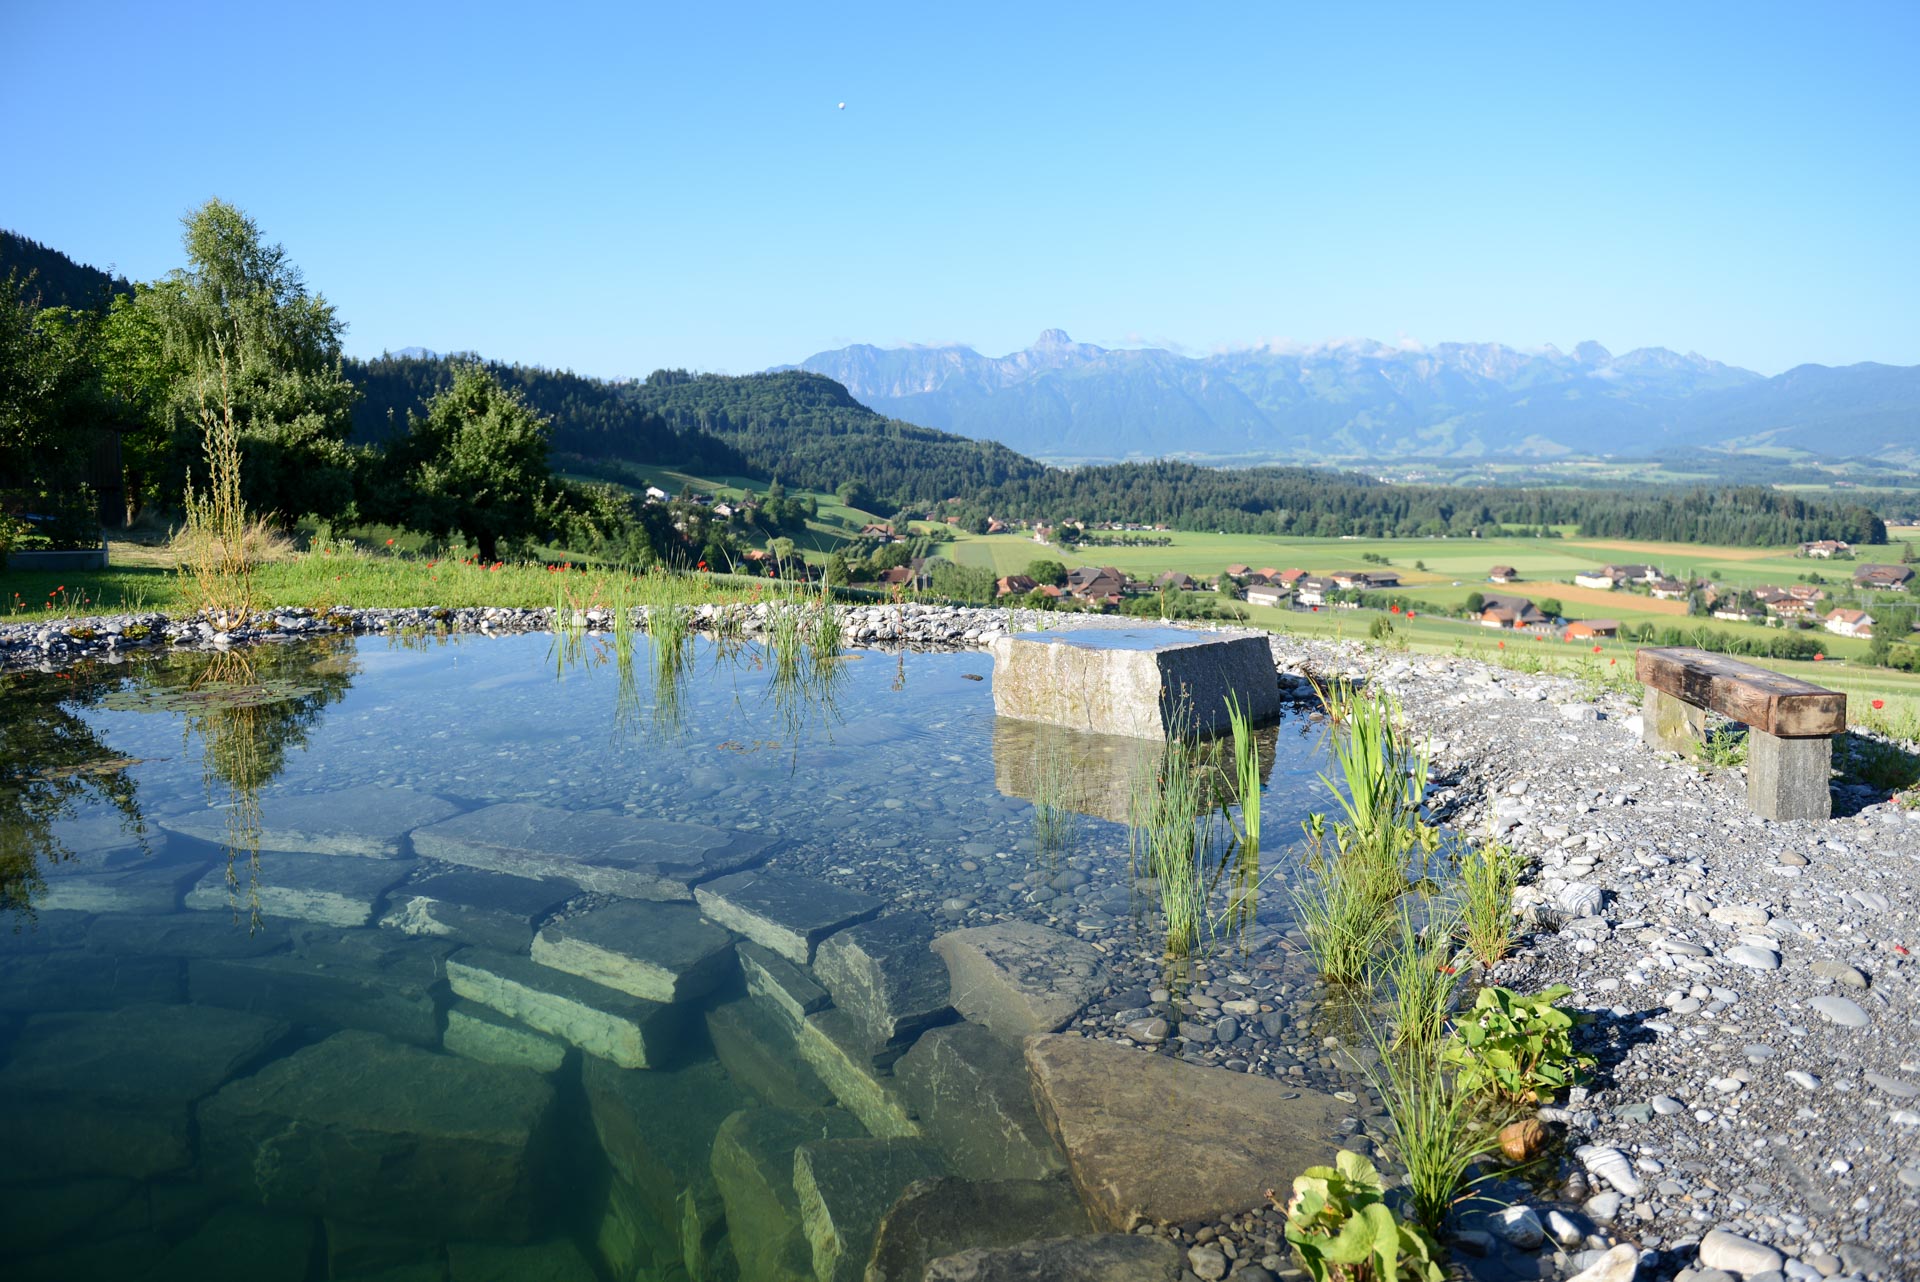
x=1419, y=979
x=1488, y=874
x=1434, y=1129
x=1170, y=820
x=1340, y=906
x=1056, y=822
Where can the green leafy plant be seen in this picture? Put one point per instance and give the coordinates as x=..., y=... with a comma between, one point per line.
x=1489, y=874
x=1515, y=1048
x=1723, y=748
x=1339, y=1224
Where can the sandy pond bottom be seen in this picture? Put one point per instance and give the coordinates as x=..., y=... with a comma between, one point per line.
x=543, y=969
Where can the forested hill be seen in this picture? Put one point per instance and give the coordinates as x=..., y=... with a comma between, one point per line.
x=54, y=280
x=801, y=428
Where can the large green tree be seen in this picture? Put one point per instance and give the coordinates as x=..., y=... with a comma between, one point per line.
x=238, y=321
x=475, y=463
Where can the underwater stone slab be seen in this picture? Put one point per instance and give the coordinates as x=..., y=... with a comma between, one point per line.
x=973, y=1097
x=758, y=1049
x=662, y=952
x=627, y=1237
x=837, y=1049
x=33, y=1216
x=184, y=935
x=1148, y=1137
x=138, y=886
x=845, y=1187
x=320, y=888
x=1134, y=681
x=360, y=1250
x=111, y=1093
x=71, y=979
x=479, y=1032
x=657, y=1128
x=240, y=1244
x=556, y=1261
x=44, y=933
x=774, y=979
x=1019, y=978
x=367, y=822
x=752, y=1165
x=613, y=854
x=936, y=1218
x=366, y=978
x=491, y=909
x=783, y=911
x=365, y=1128
x=1112, y=1257
x=127, y=1255
x=883, y=972
x=599, y=1020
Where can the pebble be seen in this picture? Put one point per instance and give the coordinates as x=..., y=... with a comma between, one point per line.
x=1519, y=1226
x=1208, y=1263
x=1894, y=1086
x=1720, y=1249
x=1839, y=972
x=1841, y=1011
x=1752, y=955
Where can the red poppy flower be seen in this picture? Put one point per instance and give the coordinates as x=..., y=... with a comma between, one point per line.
x=1819, y=658
x=1596, y=649
x=1503, y=645
x=1879, y=704
x=389, y=542
x=1613, y=663
x=1394, y=609
x=1411, y=614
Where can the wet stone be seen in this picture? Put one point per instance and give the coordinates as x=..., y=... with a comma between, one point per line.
x=491, y=909
x=367, y=822
x=661, y=952
x=366, y=979
x=241, y=1244
x=317, y=888
x=936, y=1218
x=111, y=1093
x=184, y=935
x=837, y=1049
x=371, y=1130
x=358, y=1251
x=1134, y=1158
x=481, y=1033
x=657, y=1128
x=74, y=980
x=136, y=884
x=778, y=981
x=611, y=853
x=752, y=1165
x=845, y=1187
x=783, y=911
x=1111, y=1257
x=884, y=973
x=599, y=1020
x=33, y=1216
x=1018, y=978
x=758, y=1049
x=973, y=1098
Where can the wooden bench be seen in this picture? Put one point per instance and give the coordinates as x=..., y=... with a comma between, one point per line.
x=1790, y=724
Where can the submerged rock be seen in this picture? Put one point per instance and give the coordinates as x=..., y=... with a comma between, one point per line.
x=837, y=1049
x=1148, y=1137
x=481, y=1033
x=1018, y=978
x=783, y=911
x=371, y=1130
x=369, y=822
x=558, y=1260
x=759, y=1050
x=131, y=883
x=367, y=979
x=112, y=1093
x=599, y=1020
x=661, y=952
x=657, y=1128
x=973, y=1097
x=241, y=1244
x=752, y=1165
x=845, y=1187
x=773, y=978
x=491, y=909
x=614, y=854
x=885, y=974
x=936, y=1218
x=317, y=888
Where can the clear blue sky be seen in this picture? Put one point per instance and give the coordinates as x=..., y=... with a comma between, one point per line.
x=621, y=187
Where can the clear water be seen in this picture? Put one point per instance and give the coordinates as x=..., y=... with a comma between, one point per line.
x=223, y=1057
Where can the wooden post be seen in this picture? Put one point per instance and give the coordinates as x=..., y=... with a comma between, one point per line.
x=1788, y=778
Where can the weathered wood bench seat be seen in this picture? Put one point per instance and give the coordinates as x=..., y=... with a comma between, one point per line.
x=1790, y=724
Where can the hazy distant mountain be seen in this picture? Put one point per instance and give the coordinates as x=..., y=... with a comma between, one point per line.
x=1066, y=400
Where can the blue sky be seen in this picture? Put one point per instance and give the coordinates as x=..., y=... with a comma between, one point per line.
x=616, y=188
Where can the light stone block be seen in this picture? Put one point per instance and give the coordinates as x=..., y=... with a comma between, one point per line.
x=1135, y=681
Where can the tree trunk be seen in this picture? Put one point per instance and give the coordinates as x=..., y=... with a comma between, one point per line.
x=489, y=547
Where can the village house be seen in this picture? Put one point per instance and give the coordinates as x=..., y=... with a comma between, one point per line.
x=1266, y=594
x=1510, y=612
x=656, y=495
x=1504, y=574
x=995, y=525
x=1102, y=583
x=1600, y=579
x=1890, y=577
x=1790, y=608
x=724, y=511
x=1592, y=629
x=1849, y=623
x=1237, y=571
x=1669, y=590
x=1014, y=585
x=1806, y=592
x=1826, y=549
x=1177, y=581
x=1313, y=591
x=1366, y=580
x=1286, y=578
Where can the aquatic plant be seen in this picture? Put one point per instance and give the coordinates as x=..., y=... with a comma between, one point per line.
x=1170, y=819
x=1516, y=1049
x=1419, y=978
x=1341, y=1227
x=1246, y=776
x=1434, y=1129
x=1488, y=874
x=1056, y=822
x=216, y=568
x=1339, y=903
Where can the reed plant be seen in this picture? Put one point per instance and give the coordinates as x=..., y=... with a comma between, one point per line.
x=217, y=569
x=1488, y=875
x=1419, y=978
x=1056, y=823
x=1341, y=905
x=1170, y=820
x=1435, y=1129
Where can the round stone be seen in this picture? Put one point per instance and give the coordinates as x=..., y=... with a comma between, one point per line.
x=1207, y=1263
x=1841, y=1011
x=1753, y=955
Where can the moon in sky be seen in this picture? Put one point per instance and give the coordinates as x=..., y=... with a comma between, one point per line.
x=843, y=106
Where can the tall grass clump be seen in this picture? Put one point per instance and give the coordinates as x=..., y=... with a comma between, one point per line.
x=1170, y=820
x=1342, y=913
x=1055, y=821
x=1420, y=980
x=1489, y=873
x=1434, y=1128
x=217, y=568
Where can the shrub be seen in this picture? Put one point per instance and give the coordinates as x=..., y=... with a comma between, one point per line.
x=1515, y=1048
x=1341, y=1227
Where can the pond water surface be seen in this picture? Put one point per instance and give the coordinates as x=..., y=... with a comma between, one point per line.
x=483, y=958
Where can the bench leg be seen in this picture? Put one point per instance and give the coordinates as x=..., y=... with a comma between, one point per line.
x=1671, y=724
x=1787, y=778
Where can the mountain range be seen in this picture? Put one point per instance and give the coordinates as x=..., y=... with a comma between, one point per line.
x=1065, y=401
